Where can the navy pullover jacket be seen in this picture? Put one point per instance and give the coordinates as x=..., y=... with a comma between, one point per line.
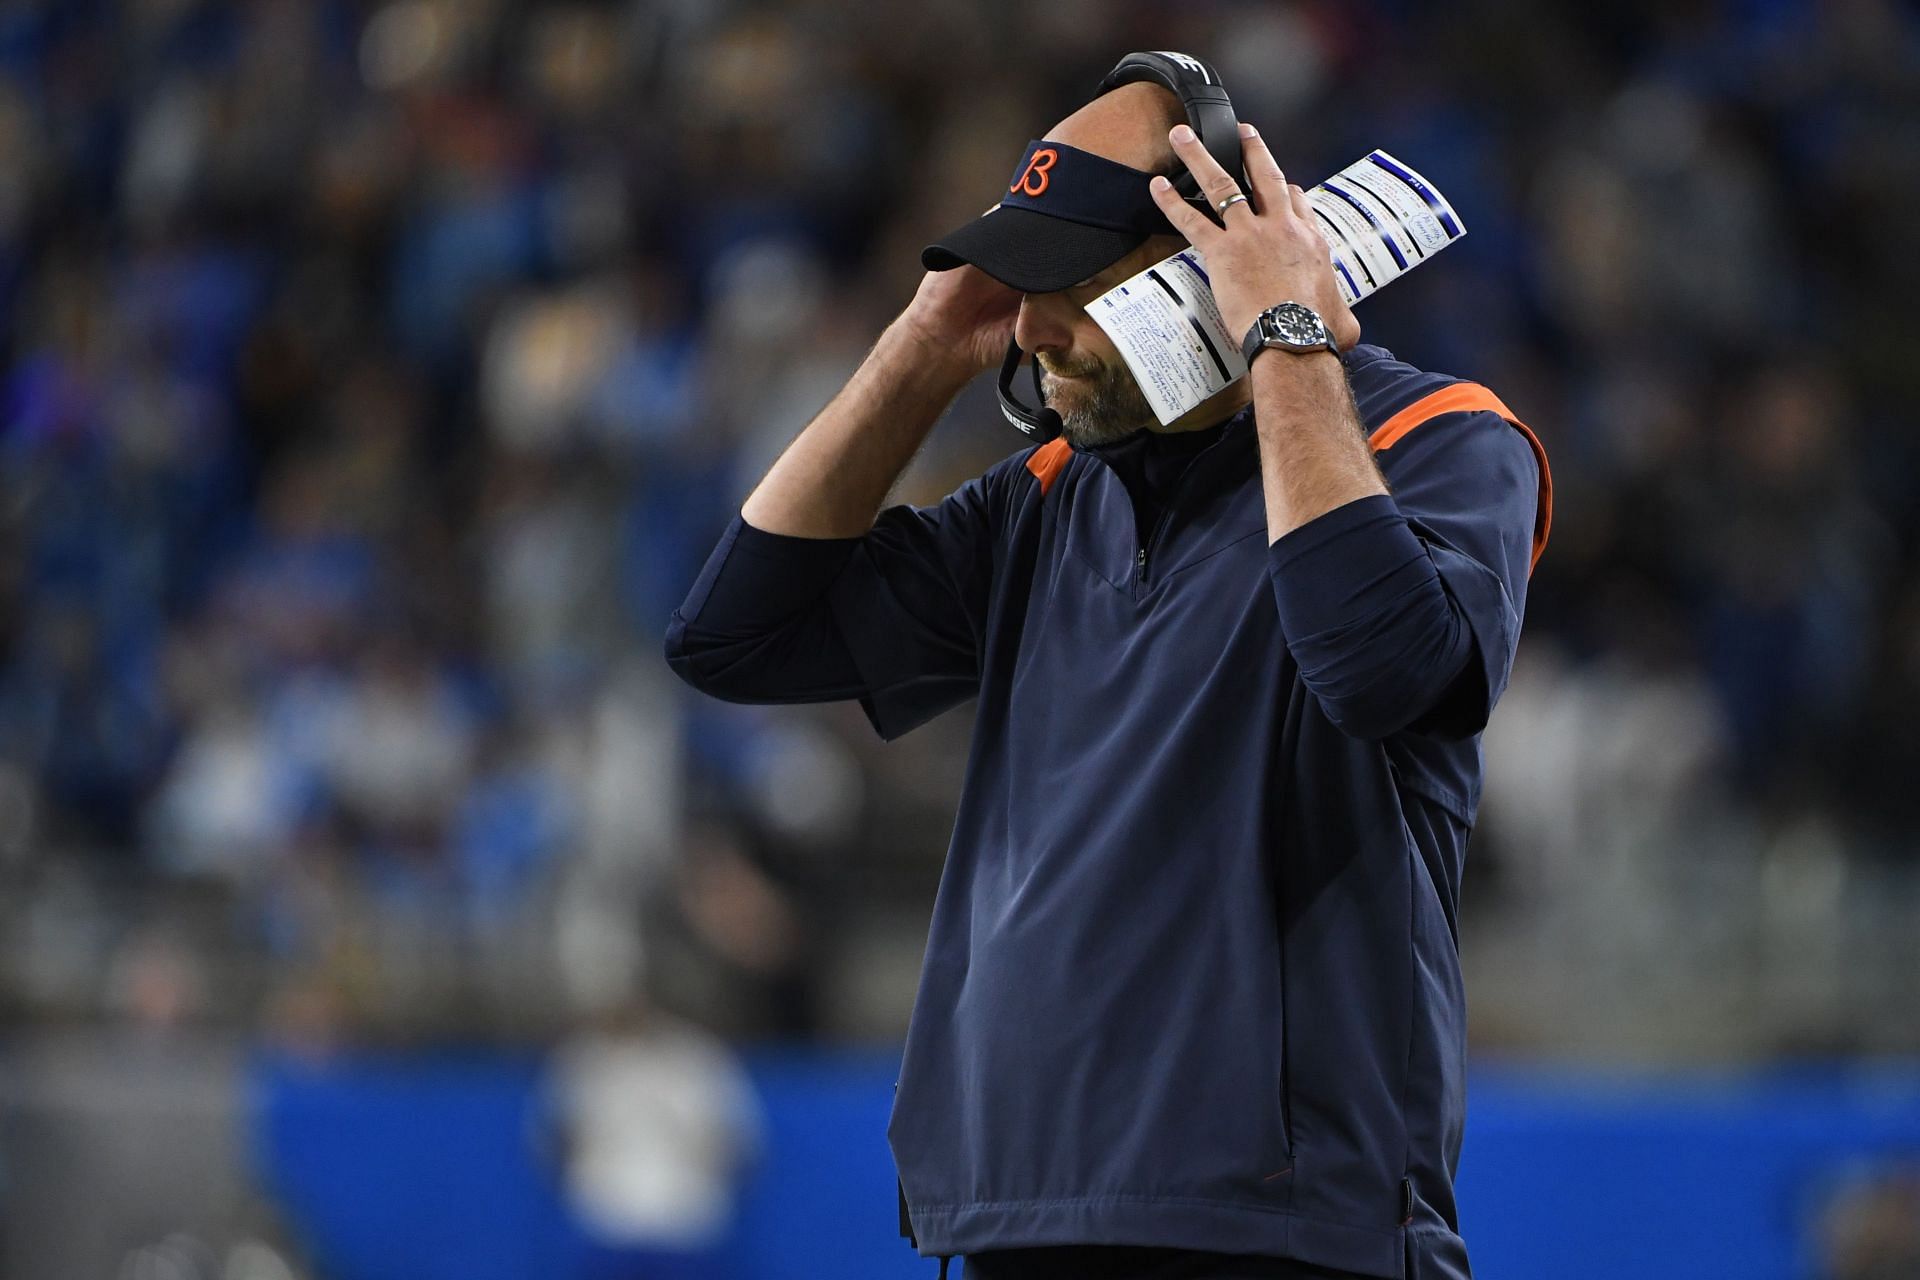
x=1192, y=978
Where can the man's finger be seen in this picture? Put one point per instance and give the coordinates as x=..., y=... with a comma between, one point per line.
x=1263, y=171
x=1187, y=220
x=1215, y=183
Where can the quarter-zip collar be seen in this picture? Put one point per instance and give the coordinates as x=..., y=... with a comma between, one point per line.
x=1157, y=472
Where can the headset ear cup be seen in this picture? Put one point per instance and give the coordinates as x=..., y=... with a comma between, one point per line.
x=1204, y=100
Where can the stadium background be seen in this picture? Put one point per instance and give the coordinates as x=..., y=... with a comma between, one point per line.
x=376, y=376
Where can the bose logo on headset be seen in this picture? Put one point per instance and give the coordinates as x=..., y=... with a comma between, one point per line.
x=1192, y=64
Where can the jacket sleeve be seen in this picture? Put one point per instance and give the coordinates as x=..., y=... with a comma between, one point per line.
x=1403, y=610
x=894, y=618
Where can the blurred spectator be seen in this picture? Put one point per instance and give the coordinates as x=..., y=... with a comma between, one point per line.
x=1870, y=1228
x=658, y=1127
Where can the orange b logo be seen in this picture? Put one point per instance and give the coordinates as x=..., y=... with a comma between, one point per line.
x=1033, y=179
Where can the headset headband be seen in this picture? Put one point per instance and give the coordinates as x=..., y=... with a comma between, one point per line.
x=1208, y=109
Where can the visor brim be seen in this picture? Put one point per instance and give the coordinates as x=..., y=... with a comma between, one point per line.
x=1030, y=251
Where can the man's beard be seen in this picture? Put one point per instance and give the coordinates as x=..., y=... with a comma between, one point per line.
x=1098, y=408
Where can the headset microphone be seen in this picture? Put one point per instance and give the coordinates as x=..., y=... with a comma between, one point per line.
x=1042, y=424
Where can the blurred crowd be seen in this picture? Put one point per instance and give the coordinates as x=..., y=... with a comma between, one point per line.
x=377, y=376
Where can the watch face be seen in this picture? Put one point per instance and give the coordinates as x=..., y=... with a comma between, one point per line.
x=1297, y=326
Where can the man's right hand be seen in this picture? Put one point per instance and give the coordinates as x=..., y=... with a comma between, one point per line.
x=834, y=476
x=963, y=314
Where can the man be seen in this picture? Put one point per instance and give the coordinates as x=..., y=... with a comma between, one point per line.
x=1191, y=1001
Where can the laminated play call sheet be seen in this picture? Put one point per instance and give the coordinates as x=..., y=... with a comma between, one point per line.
x=1380, y=220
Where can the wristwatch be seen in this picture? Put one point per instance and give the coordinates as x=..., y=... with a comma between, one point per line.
x=1290, y=327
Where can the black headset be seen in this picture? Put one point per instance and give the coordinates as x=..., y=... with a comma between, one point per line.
x=1210, y=114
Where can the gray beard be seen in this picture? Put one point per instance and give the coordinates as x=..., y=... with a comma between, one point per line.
x=1112, y=408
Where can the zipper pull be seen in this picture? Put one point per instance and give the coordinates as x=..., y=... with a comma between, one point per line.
x=1140, y=564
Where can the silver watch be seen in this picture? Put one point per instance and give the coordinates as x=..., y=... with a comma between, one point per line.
x=1289, y=326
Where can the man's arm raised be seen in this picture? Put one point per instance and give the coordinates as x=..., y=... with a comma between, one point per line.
x=814, y=595
x=832, y=479
x=1392, y=626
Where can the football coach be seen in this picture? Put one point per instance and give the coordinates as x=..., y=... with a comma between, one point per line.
x=1191, y=1005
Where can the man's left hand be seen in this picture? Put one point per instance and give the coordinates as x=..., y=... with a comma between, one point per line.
x=1268, y=250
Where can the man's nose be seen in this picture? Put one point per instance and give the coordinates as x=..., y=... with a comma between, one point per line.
x=1045, y=322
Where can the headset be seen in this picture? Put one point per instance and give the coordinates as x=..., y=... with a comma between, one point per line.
x=1210, y=114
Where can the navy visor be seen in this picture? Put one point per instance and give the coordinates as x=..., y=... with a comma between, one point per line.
x=1067, y=215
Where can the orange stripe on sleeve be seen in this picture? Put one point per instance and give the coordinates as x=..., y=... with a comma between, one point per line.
x=1048, y=461
x=1471, y=397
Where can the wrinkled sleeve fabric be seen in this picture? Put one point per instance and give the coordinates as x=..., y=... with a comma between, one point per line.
x=1403, y=610
x=895, y=618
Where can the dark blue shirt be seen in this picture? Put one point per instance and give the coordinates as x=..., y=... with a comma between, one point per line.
x=1192, y=979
